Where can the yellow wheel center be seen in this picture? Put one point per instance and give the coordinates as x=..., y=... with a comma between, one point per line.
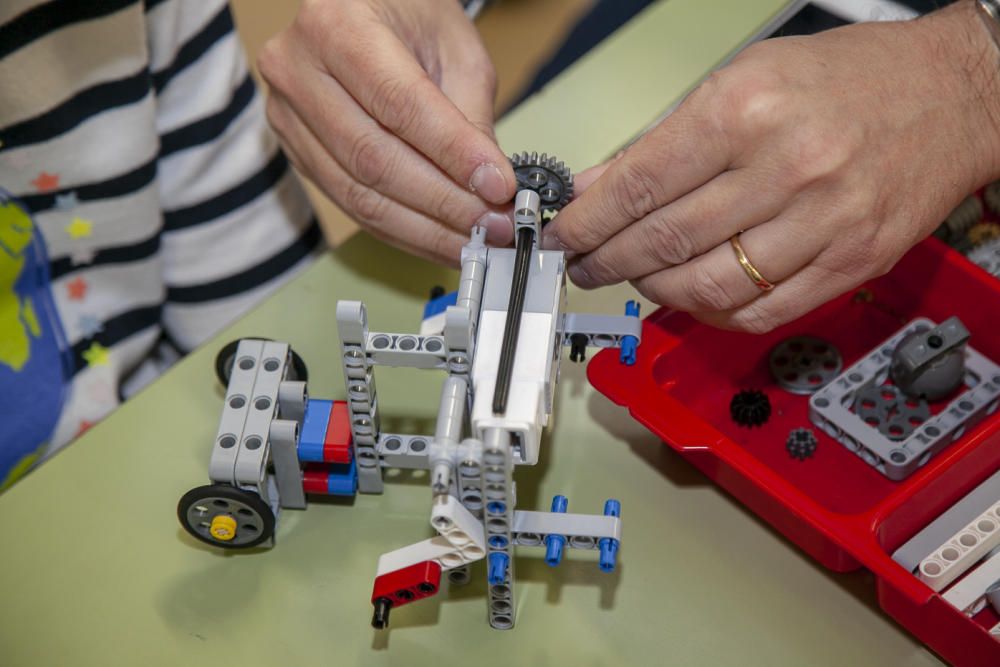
x=223, y=527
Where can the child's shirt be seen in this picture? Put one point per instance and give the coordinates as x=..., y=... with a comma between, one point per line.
x=145, y=205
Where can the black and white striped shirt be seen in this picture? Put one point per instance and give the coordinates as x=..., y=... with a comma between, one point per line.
x=133, y=134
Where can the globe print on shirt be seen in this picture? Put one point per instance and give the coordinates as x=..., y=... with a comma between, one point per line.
x=35, y=366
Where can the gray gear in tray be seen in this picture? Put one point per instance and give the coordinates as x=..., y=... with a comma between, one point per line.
x=547, y=176
x=891, y=412
x=804, y=364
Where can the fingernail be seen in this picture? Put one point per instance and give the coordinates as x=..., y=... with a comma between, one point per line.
x=551, y=242
x=580, y=276
x=488, y=182
x=499, y=228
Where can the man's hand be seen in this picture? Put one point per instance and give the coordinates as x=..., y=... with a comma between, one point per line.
x=833, y=154
x=388, y=107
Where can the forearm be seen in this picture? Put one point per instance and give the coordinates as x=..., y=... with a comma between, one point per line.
x=968, y=64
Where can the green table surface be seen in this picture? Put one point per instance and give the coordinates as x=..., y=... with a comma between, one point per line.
x=95, y=569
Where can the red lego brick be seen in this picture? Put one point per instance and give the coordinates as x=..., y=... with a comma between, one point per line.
x=408, y=584
x=337, y=443
x=314, y=479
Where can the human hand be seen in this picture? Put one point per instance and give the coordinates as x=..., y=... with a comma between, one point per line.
x=833, y=154
x=388, y=107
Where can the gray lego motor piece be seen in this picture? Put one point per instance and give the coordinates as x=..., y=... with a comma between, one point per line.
x=804, y=364
x=931, y=364
x=830, y=408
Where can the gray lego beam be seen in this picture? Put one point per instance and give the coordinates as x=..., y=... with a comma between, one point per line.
x=284, y=437
x=406, y=350
x=352, y=327
x=410, y=452
x=601, y=330
x=498, y=489
x=583, y=531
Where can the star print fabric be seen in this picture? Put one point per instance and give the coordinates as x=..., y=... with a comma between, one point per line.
x=132, y=135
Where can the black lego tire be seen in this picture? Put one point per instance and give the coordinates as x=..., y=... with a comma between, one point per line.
x=226, y=491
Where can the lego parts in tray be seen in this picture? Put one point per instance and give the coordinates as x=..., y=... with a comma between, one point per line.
x=882, y=412
x=499, y=340
x=957, y=553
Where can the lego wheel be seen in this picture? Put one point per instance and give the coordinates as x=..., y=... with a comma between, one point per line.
x=224, y=363
x=226, y=516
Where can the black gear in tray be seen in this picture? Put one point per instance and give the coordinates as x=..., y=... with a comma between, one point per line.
x=547, y=176
x=801, y=444
x=750, y=407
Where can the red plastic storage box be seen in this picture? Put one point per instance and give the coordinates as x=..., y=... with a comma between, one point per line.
x=836, y=507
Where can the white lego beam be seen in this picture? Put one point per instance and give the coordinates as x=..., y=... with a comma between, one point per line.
x=461, y=540
x=963, y=550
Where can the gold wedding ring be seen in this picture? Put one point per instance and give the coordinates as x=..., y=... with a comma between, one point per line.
x=752, y=273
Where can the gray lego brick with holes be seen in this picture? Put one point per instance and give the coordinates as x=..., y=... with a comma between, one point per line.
x=469, y=480
x=405, y=350
x=547, y=268
x=830, y=410
x=284, y=437
x=498, y=488
x=582, y=531
x=403, y=451
x=601, y=330
x=229, y=437
x=253, y=455
x=352, y=327
x=952, y=520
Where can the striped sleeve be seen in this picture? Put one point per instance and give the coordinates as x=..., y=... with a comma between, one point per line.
x=237, y=223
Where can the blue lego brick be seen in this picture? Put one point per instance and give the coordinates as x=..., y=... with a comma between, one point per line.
x=343, y=479
x=440, y=304
x=313, y=432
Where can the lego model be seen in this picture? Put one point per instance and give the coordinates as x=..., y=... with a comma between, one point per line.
x=499, y=340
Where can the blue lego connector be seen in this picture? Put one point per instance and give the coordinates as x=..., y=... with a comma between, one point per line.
x=609, y=546
x=554, y=543
x=497, y=568
x=629, y=343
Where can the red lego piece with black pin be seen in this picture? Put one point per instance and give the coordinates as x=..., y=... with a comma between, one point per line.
x=394, y=589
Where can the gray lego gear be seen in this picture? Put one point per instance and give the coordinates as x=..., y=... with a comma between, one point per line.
x=885, y=408
x=804, y=364
x=801, y=443
x=931, y=364
x=547, y=176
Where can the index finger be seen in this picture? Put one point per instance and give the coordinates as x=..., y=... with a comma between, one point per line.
x=406, y=101
x=683, y=152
